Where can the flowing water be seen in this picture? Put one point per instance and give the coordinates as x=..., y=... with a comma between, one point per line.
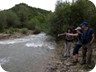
x=27, y=54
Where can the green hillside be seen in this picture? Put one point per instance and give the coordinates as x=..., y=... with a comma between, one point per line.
x=22, y=16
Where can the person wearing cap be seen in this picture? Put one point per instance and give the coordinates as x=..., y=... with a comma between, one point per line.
x=78, y=45
x=87, y=39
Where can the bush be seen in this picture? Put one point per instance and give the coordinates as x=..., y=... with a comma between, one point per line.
x=36, y=32
x=23, y=30
x=14, y=30
x=11, y=30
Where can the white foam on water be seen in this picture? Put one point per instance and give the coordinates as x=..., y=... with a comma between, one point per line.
x=7, y=42
x=24, y=39
x=4, y=60
x=35, y=41
x=51, y=47
x=37, y=45
x=33, y=45
x=13, y=41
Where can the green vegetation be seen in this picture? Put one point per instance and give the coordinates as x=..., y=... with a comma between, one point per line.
x=22, y=18
x=71, y=15
x=66, y=15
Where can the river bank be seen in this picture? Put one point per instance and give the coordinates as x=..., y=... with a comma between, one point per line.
x=10, y=36
x=60, y=63
x=16, y=34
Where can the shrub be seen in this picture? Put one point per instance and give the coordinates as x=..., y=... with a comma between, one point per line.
x=24, y=30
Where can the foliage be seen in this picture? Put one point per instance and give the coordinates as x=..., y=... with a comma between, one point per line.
x=24, y=30
x=71, y=15
x=27, y=15
x=22, y=16
x=66, y=15
x=2, y=21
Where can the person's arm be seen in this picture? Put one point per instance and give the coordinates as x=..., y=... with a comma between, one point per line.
x=61, y=34
x=93, y=37
x=71, y=34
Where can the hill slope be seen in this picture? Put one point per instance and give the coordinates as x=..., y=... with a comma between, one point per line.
x=22, y=16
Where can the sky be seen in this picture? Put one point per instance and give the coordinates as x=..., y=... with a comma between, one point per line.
x=43, y=4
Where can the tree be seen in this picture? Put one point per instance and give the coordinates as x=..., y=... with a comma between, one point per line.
x=2, y=21
x=12, y=19
x=71, y=15
x=27, y=13
x=60, y=18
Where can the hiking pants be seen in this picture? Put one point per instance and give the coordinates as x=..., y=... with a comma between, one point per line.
x=68, y=49
x=87, y=53
x=76, y=48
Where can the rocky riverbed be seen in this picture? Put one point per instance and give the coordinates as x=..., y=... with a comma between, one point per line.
x=59, y=63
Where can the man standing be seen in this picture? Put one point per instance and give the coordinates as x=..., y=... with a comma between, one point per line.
x=87, y=41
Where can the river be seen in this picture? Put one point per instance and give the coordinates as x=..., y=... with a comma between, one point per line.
x=26, y=54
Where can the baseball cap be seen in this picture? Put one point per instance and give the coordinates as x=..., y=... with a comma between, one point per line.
x=78, y=28
x=84, y=23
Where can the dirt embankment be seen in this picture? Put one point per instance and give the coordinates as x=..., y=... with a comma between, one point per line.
x=7, y=36
x=15, y=35
x=59, y=63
